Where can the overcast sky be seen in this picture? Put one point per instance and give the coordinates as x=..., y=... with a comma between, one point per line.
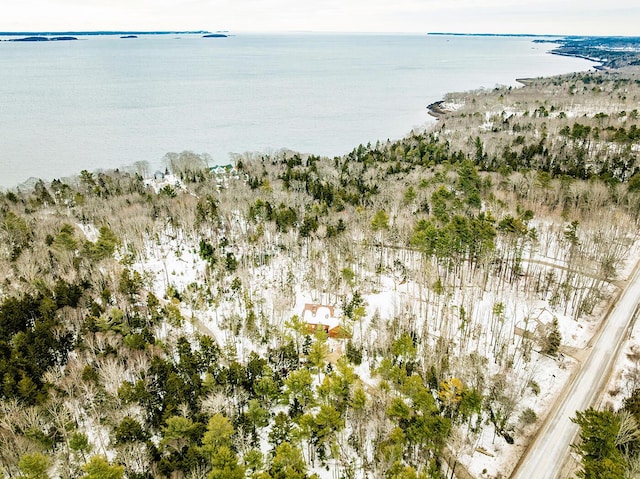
x=580, y=17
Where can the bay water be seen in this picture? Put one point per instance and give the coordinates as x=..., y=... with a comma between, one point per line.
x=104, y=102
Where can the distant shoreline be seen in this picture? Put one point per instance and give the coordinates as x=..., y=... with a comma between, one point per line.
x=106, y=32
x=453, y=34
x=436, y=109
x=610, y=52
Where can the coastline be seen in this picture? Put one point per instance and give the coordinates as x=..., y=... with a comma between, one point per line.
x=524, y=81
x=600, y=67
x=607, y=52
x=436, y=109
x=109, y=155
x=613, y=53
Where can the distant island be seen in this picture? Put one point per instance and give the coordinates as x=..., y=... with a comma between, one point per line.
x=59, y=36
x=104, y=32
x=42, y=39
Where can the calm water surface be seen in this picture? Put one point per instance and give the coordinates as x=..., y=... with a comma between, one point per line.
x=104, y=102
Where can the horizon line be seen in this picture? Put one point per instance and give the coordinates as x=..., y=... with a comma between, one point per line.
x=204, y=31
x=101, y=32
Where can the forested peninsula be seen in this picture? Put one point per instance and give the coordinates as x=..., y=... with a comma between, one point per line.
x=413, y=306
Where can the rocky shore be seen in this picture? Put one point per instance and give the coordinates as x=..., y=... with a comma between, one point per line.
x=436, y=109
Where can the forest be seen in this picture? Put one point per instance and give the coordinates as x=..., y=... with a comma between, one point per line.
x=168, y=325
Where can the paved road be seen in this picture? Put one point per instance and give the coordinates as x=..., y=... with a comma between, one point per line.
x=546, y=455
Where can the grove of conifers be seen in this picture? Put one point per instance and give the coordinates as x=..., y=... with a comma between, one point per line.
x=437, y=251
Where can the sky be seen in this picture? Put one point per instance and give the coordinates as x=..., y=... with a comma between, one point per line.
x=562, y=17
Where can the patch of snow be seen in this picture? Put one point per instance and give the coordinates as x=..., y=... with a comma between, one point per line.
x=89, y=231
x=163, y=180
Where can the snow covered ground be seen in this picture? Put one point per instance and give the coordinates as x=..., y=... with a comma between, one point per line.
x=625, y=376
x=473, y=319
